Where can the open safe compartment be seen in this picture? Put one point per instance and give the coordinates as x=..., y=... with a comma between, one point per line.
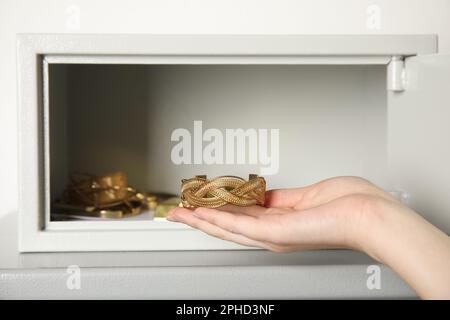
x=113, y=117
x=101, y=108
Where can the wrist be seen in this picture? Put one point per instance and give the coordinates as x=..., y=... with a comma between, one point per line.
x=401, y=239
x=371, y=231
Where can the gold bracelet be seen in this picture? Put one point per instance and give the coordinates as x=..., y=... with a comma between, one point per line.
x=201, y=192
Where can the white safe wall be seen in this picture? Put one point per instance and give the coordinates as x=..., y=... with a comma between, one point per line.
x=195, y=17
x=104, y=118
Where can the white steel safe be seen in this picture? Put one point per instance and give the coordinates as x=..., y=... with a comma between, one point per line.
x=375, y=106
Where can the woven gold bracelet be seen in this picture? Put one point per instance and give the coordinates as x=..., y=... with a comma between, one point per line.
x=201, y=192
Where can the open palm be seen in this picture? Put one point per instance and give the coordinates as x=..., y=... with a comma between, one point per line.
x=324, y=215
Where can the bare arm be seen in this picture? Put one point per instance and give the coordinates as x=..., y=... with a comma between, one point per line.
x=343, y=212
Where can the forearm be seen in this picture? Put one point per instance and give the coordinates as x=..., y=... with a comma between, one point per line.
x=412, y=247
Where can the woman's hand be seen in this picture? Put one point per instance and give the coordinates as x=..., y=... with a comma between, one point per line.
x=343, y=212
x=327, y=214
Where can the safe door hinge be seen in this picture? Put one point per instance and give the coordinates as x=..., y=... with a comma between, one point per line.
x=396, y=74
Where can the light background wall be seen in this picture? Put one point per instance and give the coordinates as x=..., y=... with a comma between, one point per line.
x=182, y=17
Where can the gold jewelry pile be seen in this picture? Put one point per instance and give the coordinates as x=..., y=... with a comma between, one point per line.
x=201, y=192
x=107, y=196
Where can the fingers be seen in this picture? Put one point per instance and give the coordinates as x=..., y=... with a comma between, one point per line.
x=254, y=211
x=250, y=210
x=187, y=216
x=285, y=198
x=322, y=192
x=245, y=225
x=305, y=197
x=263, y=228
